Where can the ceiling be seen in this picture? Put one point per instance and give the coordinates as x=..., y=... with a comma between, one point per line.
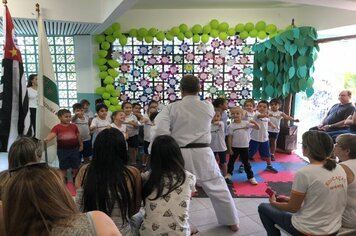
x=28, y=27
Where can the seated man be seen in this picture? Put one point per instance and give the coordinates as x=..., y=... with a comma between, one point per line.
x=338, y=113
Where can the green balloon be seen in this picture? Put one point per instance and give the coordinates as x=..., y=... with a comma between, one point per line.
x=123, y=40
x=169, y=36
x=231, y=32
x=261, y=35
x=112, y=108
x=142, y=32
x=223, y=27
x=239, y=28
x=253, y=33
x=103, y=74
x=188, y=34
x=116, y=26
x=115, y=93
x=271, y=28
x=205, y=38
x=108, y=80
x=152, y=32
x=214, y=24
x=118, y=107
x=113, y=101
x=106, y=95
x=160, y=36
x=175, y=30
x=249, y=26
x=148, y=39
x=117, y=34
x=105, y=45
x=113, y=72
x=101, y=61
x=139, y=38
x=133, y=33
x=214, y=33
x=107, y=102
x=102, y=53
x=109, y=88
x=180, y=36
x=196, y=38
x=222, y=36
x=103, y=68
x=261, y=25
x=183, y=28
x=113, y=63
x=100, y=90
x=206, y=29
x=109, y=31
x=197, y=29
x=110, y=38
x=244, y=35
x=100, y=38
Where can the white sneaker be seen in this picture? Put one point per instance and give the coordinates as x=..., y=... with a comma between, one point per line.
x=253, y=181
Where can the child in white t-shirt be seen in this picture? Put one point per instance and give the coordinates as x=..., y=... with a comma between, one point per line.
x=259, y=138
x=218, y=144
x=131, y=123
x=249, y=107
x=275, y=115
x=238, y=142
x=147, y=132
x=118, y=118
x=101, y=121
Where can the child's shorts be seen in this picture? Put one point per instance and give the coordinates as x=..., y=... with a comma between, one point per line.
x=146, y=144
x=222, y=157
x=133, y=141
x=68, y=158
x=87, y=149
x=261, y=147
x=273, y=135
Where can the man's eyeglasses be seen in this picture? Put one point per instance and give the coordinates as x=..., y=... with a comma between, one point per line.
x=29, y=165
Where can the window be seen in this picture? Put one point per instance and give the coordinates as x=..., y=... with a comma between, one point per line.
x=63, y=58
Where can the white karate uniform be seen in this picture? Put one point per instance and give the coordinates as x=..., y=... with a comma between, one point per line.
x=188, y=121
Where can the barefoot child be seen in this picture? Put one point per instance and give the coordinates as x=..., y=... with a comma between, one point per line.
x=238, y=142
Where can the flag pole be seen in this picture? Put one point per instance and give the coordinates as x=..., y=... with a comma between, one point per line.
x=44, y=143
x=4, y=2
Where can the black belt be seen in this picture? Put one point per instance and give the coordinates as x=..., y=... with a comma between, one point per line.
x=196, y=145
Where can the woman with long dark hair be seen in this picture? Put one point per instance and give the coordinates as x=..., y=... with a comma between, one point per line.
x=107, y=183
x=318, y=197
x=32, y=98
x=167, y=191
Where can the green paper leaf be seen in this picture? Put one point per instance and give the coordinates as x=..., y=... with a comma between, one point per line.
x=279, y=39
x=296, y=33
x=299, y=42
x=302, y=60
x=275, y=69
x=293, y=49
x=310, y=82
x=285, y=89
x=309, y=42
x=257, y=72
x=287, y=46
x=268, y=44
x=302, y=72
x=302, y=84
x=270, y=53
x=256, y=83
x=279, y=78
x=302, y=50
x=313, y=34
x=294, y=86
x=270, y=78
x=291, y=72
x=256, y=93
x=270, y=66
x=309, y=92
x=269, y=90
x=289, y=34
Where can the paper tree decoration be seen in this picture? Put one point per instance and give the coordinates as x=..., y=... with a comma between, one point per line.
x=285, y=64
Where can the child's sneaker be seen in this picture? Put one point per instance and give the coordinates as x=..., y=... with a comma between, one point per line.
x=273, y=158
x=241, y=169
x=253, y=181
x=270, y=168
x=228, y=181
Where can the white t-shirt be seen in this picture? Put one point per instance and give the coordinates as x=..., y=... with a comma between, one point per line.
x=218, y=137
x=325, y=199
x=169, y=215
x=147, y=133
x=89, y=114
x=99, y=125
x=83, y=127
x=349, y=216
x=32, y=97
x=131, y=131
x=249, y=115
x=122, y=128
x=260, y=135
x=275, y=118
x=240, y=133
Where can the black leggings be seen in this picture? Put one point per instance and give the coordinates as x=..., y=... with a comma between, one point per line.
x=243, y=152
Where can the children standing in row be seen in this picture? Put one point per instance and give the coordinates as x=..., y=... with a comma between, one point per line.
x=218, y=144
x=238, y=142
x=69, y=143
x=276, y=116
x=259, y=138
x=82, y=121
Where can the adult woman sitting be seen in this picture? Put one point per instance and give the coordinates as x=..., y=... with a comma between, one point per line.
x=36, y=202
x=107, y=183
x=318, y=197
x=345, y=150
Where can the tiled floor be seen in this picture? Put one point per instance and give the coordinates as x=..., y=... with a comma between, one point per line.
x=203, y=217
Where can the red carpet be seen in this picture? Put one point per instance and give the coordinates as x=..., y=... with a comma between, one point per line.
x=281, y=182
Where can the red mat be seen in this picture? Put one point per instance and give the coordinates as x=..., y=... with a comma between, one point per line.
x=281, y=182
